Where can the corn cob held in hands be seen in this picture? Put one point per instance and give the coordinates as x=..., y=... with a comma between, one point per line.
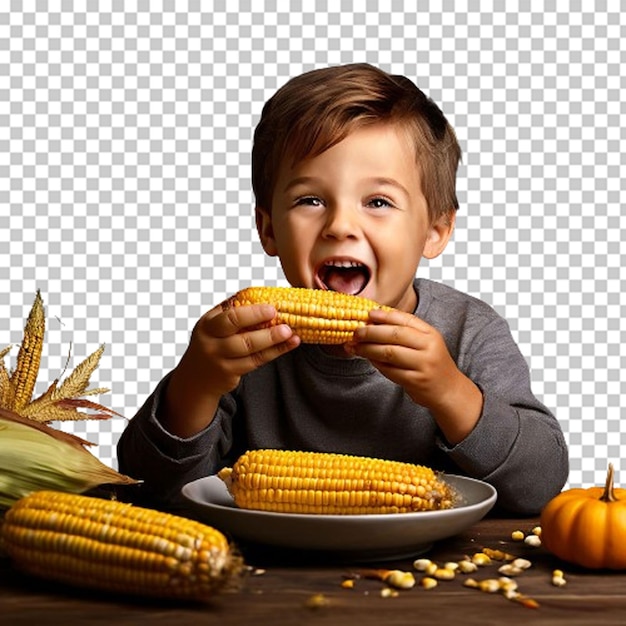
x=315, y=315
x=113, y=546
x=335, y=484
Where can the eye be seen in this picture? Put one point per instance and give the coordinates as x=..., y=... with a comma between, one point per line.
x=380, y=202
x=308, y=201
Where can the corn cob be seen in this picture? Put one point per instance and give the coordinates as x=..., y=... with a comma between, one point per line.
x=29, y=356
x=315, y=315
x=114, y=546
x=337, y=484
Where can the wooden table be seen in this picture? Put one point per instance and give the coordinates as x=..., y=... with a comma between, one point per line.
x=279, y=589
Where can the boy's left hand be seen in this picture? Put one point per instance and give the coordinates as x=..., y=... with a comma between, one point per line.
x=413, y=354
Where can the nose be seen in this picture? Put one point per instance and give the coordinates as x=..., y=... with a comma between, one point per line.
x=341, y=223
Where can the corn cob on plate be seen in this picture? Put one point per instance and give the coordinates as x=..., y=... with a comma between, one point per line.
x=342, y=536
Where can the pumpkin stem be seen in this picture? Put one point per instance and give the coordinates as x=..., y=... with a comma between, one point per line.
x=609, y=494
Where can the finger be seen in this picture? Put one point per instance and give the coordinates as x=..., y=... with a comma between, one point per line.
x=253, y=342
x=396, y=317
x=395, y=334
x=257, y=359
x=230, y=321
x=385, y=354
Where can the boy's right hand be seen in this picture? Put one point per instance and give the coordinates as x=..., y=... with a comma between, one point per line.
x=225, y=344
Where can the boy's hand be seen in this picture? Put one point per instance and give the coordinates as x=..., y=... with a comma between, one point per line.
x=225, y=344
x=414, y=355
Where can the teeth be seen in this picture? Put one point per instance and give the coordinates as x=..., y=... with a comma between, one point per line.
x=343, y=264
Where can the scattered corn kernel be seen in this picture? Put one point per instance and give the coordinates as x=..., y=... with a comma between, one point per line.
x=517, y=535
x=443, y=573
x=422, y=564
x=508, y=569
x=316, y=601
x=388, y=592
x=533, y=541
x=481, y=559
x=400, y=580
x=467, y=567
x=471, y=582
x=498, y=555
x=507, y=584
x=536, y=531
x=348, y=583
x=452, y=565
x=427, y=582
x=521, y=563
x=489, y=585
x=558, y=578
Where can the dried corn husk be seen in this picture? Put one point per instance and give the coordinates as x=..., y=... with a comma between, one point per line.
x=60, y=402
x=35, y=456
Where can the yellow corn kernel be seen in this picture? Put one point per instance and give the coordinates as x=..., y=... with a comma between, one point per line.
x=481, y=559
x=315, y=315
x=421, y=565
x=388, y=592
x=498, y=555
x=444, y=573
x=399, y=579
x=24, y=376
x=467, y=567
x=508, y=569
x=325, y=483
x=114, y=546
x=558, y=578
x=517, y=535
x=427, y=582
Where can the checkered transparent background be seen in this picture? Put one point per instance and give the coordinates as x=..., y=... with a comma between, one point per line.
x=125, y=136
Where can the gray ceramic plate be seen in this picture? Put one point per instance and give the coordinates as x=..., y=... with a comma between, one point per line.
x=360, y=537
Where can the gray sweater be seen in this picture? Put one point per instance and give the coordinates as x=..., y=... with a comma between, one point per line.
x=307, y=399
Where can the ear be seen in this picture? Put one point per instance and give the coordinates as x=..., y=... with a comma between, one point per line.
x=266, y=230
x=439, y=234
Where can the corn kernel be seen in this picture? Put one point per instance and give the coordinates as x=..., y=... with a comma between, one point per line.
x=348, y=583
x=481, y=559
x=427, y=582
x=489, y=585
x=443, y=573
x=421, y=564
x=508, y=569
x=400, y=580
x=521, y=563
x=558, y=578
x=533, y=541
x=536, y=531
x=467, y=567
x=517, y=535
x=387, y=592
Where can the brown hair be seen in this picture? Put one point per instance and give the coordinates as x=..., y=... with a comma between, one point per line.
x=316, y=110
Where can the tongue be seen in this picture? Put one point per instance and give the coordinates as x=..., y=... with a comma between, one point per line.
x=347, y=280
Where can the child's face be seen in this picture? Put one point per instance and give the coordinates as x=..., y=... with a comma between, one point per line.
x=353, y=219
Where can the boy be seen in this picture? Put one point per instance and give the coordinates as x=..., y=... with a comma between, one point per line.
x=354, y=172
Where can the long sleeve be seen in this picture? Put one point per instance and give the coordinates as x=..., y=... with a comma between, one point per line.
x=310, y=400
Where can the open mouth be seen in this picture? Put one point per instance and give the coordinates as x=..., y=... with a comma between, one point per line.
x=344, y=276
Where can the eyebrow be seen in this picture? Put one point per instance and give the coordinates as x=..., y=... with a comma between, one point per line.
x=383, y=181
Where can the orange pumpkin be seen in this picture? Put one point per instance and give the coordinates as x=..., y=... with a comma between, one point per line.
x=587, y=526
